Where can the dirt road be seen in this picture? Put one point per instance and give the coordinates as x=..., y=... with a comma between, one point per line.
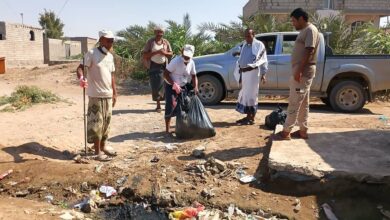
x=33, y=144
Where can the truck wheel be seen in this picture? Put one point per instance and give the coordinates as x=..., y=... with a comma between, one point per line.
x=210, y=90
x=325, y=101
x=347, y=96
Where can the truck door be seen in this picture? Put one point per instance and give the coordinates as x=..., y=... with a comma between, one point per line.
x=270, y=46
x=284, y=61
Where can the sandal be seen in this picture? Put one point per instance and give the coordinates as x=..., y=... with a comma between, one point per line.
x=297, y=134
x=109, y=151
x=158, y=110
x=279, y=137
x=102, y=158
x=248, y=122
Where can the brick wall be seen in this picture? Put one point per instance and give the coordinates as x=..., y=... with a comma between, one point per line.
x=17, y=46
x=380, y=7
x=372, y=5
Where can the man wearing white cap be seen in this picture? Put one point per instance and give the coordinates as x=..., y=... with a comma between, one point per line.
x=155, y=57
x=101, y=90
x=178, y=74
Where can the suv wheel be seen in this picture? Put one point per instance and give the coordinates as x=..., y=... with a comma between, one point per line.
x=210, y=90
x=347, y=96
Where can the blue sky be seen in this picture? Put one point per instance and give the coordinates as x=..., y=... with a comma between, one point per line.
x=87, y=17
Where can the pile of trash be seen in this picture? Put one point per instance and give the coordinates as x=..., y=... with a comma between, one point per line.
x=198, y=211
x=219, y=169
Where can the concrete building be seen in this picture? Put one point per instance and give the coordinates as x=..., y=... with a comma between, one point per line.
x=59, y=50
x=21, y=45
x=87, y=43
x=356, y=11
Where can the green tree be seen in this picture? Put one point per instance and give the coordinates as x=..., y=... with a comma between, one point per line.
x=374, y=41
x=51, y=24
x=342, y=35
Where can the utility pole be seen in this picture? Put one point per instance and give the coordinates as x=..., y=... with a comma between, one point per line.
x=21, y=14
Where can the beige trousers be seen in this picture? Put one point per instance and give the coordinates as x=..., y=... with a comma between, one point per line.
x=298, y=102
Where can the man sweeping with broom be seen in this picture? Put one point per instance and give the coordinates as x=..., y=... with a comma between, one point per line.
x=101, y=91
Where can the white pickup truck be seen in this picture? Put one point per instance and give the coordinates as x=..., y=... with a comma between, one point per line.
x=345, y=82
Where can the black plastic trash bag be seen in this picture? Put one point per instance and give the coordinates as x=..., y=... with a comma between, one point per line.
x=277, y=117
x=193, y=120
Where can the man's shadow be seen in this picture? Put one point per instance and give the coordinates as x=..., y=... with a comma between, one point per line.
x=37, y=149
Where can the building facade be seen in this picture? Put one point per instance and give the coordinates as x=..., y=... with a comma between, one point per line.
x=355, y=11
x=87, y=43
x=21, y=45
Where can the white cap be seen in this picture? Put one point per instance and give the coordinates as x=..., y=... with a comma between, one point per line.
x=188, y=50
x=159, y=28
x=106, y=34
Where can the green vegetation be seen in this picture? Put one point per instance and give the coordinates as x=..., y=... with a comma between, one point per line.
x=51, y=24
x=216, y=38
x=26, y=96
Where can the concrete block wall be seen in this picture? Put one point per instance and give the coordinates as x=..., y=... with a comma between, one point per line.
x=56, y=49
x=86, y=43
x=17, y=46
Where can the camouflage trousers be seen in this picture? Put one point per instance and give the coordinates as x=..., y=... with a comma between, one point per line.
x=98, y=119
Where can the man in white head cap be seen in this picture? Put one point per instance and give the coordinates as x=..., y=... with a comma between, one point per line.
x=101, y=90
x=155, y=57
x=179, y=73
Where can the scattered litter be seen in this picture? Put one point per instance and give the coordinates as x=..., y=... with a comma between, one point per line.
x=85, y=206
x=328, y=212
x=84, y=187
x=155, y=159
x=108, y=190
x=49, y=198
x=22, y=193
x=240, y=173
x=170, y=147
x=3, y=175
x=12, y=183
x=79, y=159
x=385, y=120
x=231, y=211
x=122, y=180
x=71, y=190
x=187, y=213
x=247, y=179
x=207, y=193
x=98, y=168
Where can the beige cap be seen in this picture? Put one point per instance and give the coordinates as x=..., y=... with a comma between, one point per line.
x=188, y=50
x=106, y=34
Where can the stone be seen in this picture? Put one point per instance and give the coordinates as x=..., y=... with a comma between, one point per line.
x=199, y=152
x=66, y=216
x=220, y=165
x=324, y=153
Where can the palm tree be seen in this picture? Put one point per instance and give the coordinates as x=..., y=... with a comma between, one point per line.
x=342, y=36
x=51, y=24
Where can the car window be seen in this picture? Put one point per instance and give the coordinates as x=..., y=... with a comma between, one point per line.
x=288, y=43
x=269, y=43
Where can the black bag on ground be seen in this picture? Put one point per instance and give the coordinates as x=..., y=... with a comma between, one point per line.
x=195, y=122
x=277, y=117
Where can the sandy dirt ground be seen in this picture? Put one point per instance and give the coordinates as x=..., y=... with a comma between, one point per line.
x=38, y=144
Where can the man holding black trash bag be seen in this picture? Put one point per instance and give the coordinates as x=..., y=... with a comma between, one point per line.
x=178, y=75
